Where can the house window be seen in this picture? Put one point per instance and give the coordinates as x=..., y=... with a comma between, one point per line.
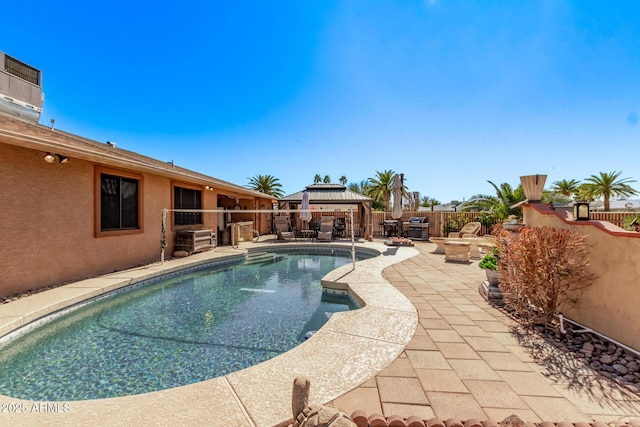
x=187, y=198
x=118, y=203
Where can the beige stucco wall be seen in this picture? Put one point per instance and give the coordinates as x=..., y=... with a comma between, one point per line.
x=47, y=222
x=611, y=305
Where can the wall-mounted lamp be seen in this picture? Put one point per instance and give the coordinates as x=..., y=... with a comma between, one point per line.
x=50, y=158
x=581, y=211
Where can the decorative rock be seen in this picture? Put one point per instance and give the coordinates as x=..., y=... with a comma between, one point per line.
x=489, y=423
x=588, y=347
x=547, y=424
x=180, y=254
x=632, y=366
x=620, y=369
x=564, y=424
x=606, y=360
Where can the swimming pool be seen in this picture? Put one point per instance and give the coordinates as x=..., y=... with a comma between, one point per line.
x=178, y=331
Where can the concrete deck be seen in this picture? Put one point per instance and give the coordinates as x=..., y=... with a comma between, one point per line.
x=426, y=344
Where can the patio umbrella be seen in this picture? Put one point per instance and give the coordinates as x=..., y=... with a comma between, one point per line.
x=305, y=215
x=396, y=190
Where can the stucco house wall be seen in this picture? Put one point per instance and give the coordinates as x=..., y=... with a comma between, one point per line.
x=49, y=220
x=612, y=303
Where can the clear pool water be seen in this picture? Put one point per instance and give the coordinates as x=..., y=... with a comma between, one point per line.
x=177, y=331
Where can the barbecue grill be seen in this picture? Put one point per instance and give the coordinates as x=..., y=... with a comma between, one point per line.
x=416, y=228
x=391, y=227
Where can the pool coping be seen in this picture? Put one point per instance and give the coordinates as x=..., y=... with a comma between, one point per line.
x=358, y=343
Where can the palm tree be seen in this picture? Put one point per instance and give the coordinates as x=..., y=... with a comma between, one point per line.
x=326, y=179
x=498, y=206
x=380, y=187
x=343, y=180
x=361, y=188
x=317, y=179
x=412, y=201
x=428, y=202
x=566, y=188
x=607, y=185
x=266, y=184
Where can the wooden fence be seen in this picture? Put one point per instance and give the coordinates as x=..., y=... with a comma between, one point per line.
x=616, y=218
x=441, y=223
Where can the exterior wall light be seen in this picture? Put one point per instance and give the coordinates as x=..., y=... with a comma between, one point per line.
x=50, y=158
x=581, y=211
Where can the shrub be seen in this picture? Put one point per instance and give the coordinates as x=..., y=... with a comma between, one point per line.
x=489, y=262
x=542, y=271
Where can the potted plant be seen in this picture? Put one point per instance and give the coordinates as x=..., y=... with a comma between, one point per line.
x=490, y=264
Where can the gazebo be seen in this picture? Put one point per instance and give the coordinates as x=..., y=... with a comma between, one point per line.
x=334, y=200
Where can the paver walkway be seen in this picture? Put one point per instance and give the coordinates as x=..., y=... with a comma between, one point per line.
x=467, y=361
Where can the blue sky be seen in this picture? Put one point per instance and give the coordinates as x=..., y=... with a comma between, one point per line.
x=450, y=93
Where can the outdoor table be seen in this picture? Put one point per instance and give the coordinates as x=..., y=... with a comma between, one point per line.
x=439, y=242
x=307, y=234
x=456, y=251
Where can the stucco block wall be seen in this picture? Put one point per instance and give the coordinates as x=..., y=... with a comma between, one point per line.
x=611, y=305
x=47, y=223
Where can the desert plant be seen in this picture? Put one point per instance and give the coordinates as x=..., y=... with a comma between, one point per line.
x=542, y=270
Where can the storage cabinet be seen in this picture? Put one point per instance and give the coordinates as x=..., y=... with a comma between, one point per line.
x=194, y=240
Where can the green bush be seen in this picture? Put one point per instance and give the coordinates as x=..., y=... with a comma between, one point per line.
x=489, y=262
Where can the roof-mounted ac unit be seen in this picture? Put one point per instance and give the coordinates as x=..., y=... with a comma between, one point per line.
x=20, y=89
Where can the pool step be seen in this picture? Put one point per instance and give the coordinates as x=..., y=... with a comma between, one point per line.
x=261, y=258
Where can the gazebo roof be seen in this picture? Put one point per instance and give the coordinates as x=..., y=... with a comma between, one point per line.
x=327, y=193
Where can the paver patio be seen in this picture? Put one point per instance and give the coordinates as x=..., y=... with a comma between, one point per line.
x=466, y=360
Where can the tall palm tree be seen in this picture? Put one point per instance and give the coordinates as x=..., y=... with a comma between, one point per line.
x=317, y=179
x=343, y=180
x=326, y=179
x=566, y=188
x=607, y=185
x=266, y=184
x=380, y=187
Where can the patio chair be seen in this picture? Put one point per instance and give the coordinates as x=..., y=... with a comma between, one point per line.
x=326, y=228
x=284, y=230
x=469, y=228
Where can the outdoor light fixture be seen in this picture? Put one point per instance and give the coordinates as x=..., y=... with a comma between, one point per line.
x=581, y=211
x=50, y=158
